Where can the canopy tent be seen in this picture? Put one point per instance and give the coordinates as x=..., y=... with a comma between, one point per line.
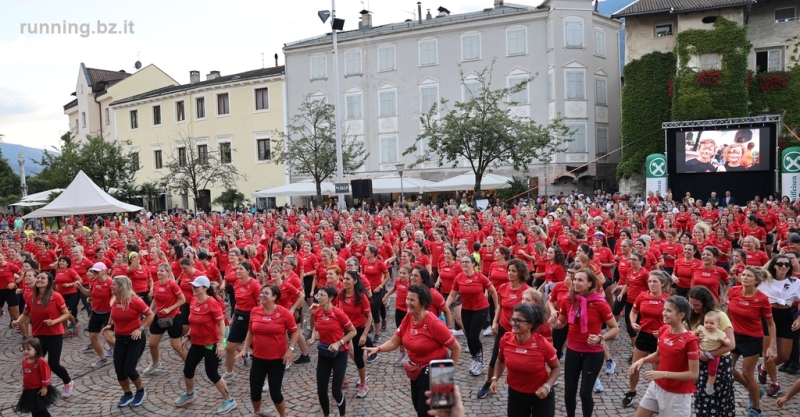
x=297, y=189
x=29, y=203
x=466, y=181
x=40, y=197
x=82, y=196
x=391, y=184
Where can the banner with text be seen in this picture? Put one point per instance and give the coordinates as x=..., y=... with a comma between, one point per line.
x=656, y=173
x=790, y=172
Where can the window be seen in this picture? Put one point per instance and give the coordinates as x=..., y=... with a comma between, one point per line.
x=520, y=97
x=134, y=119
x=599, y=42
x=551, y=90
x=182, y=156
x=515, y=41
x=470, y=89
x=352, y=63
x=223, y=106
x=664, y=29
x=225, y=153
x=471, y=47
x=202, y=154
x=108, y=116
x=135, y=161
x=769, y=60
x=317, y=67
x=427, y=52
x=602, y=140
x=600, y=91
x=264, y=149
x=709, y=61
x=388, y=149
x=262, y=98
x=319, y=100
x=575, y=90
x=429, y=96
x=83, y=118
x=353, y=106
x=578, y=143
x=386, y=58
x=549, y=35
x=200, y=103
x=786, y=14
x=180, y=112
x=156, y=115
x=388, y=103
x=158, y=160
x=573, y=33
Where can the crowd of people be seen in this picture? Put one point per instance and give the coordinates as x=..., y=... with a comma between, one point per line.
x=706, y=294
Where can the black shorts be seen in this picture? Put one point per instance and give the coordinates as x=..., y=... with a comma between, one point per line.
x=457, y=302
x=769, y=238
x=97, y=321
x=308, y=281
x=748, y=346
x=175, y=331
x=239, y=325
x=646, y=342
x=8, y=297
x=783, y=322
x=608, y=282
x=185, y=313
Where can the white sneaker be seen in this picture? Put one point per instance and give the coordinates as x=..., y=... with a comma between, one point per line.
x=228, y=376
x=401, y=356
x=265, y=387
x=150, y=368
x=487, y=331
x=477, y=368
x=455, y=332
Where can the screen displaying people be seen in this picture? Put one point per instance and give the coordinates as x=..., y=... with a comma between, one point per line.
x=723, y=151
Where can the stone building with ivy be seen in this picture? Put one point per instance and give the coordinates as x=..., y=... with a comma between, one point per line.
x=704, y=59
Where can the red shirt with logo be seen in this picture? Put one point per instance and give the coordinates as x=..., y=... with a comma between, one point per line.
x=425, y=341
x=139, y=278
x=684, y=271
x=374, y=271
x=756, y=258
x=36, y=374
x=51, y=311
x=471, y=289
x=709, y=278
x=67, y=276
x=7, y=273
x=746, y=312
x=126, y=320
x=438, y=304
x=247, y=295
x=269, y=331
x=165, y=296
x=204, y=320
x=186, y=284
x=650, y=311
x=637, y=283
x=401, y=292
x=101, y=295
x=356, y=313
x=676, y=351
x=498, y=274
x=525, y=361
x=332, y=325
x=674, y=249
x=599, y=312
x=508, y=299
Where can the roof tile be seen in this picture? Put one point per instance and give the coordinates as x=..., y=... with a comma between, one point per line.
x=675, y=6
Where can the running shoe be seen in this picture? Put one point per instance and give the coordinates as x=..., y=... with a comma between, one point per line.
x=752, y=413
x=610, y=366
x=484, y=391
x=150, y=368
x=227, y=406
x=598, y=386
x=383, y=326
x=228, y=376
x=110, y=353
x=773, y=389
x=761, y=393
x=376, y=338
x=401, y=357
x=265, y=387
x=302, y=359
x=125, y=401
x=628, y=399
x=139, y=397
x=762, y=374
x=477, y=368
x=68, y=389
x=372, y=358
x=487, y=331
x=101, y=363
x=88, y=349
x=363, y=389
x=457, y=332
x=184, y=399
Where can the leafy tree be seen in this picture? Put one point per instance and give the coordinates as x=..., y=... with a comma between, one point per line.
x=309, y=147
x=9, y=180
x=483, y=131
x=192, y=170
x=518, y=185
x=231, y=199
x=150, y=191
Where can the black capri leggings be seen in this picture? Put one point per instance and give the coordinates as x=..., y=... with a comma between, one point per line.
x=71, y=300
x=324, y=366
x=527, y=405
x=473, y=325
x=195, y=355
x=399, y=315
x=262, y=369
x=586, y=367
x=358, y=351
x=559, y=338
x=496, y=346
x=126, y=356
x=375, y=305
x=231, y=298
x=619, y=306
x=53, y=345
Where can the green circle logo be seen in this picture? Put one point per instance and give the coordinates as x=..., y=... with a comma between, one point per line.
x=657, y=167
x=791, y=162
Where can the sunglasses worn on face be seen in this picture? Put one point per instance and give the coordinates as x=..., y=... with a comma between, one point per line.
x=782, y=264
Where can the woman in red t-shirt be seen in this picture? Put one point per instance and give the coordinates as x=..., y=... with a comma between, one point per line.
x=246, y=291
x=711, y=276
x=9, y=275
x=167, y=301
x=353, y=300
x=677, y=356
x=66, y=280
x=425, y=338
x=753, y=255
x=377, y=275
x=682, y=272
x=419, y=275
x=140, y=277
x=127, y=310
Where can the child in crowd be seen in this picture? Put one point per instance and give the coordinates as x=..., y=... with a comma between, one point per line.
x=37, y=393
x=713, y=338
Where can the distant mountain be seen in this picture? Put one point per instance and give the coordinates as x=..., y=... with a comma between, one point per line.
x=10, y=152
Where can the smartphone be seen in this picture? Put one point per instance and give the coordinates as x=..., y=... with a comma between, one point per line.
x=442, y=381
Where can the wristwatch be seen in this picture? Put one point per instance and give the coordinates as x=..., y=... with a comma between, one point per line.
x=291, y=348
x=141, y=329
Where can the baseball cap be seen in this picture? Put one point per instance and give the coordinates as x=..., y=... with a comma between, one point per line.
x=98, y=267
x=793, y=238
x=201, y=281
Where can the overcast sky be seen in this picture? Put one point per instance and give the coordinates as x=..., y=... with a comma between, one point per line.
x=38, y=72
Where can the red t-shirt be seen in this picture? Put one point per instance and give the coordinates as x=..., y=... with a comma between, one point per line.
x=81, y=267
x=525, y=361
x=374, y=271
x=289, y=294
x=498, y=274
x=36, y=374
x=186, y=285
x=554, y=273
x=139, y=279
x=637, y=283
x=650, y=311
x=508, y=299
x=247, y=295
x=599, y=313
x=757, y=258
x=126, y=320
x=559, y=291
x=332, y=326
x=746, y=312
x=710, y=278
x=676, y=351
x=101, y=295
x=604, y=256
x=356, y=313
x=204, y=320
x=448, y=274
x=230, y=275
x=7, y=273
x=683, y=270
x=401, y=292
x=165, y=296
x=425, y=341
x=672, y=249
x=51, y=311
x=66, y=276
x=269, y=331
x=438, y=304
x=471, y=290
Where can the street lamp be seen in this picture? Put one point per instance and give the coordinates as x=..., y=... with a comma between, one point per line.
x=336, y=24
x=23, y=187
x=400, y=168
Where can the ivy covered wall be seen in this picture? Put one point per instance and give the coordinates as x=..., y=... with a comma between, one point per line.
x=777, y=91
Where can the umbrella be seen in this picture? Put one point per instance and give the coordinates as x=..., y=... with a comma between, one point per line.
x=297, y=189
x=466, y=181
x=391, y=184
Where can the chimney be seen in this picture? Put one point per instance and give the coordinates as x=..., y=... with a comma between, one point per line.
x=194, y=77
x=498, y=3
x=366, y=20
x=419, y=11
x=276, y=60
x=212, y=75
x=428, y=16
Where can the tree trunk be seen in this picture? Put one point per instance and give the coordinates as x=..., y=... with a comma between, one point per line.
x=318, y=197
x=478, y=192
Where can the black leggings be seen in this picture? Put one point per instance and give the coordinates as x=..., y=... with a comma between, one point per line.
x=358, y=351
x=126, y=356
x=418, y=389
x=559, y=338
x=375, y=305
x=399, y=315
x=53, y=345
x=496, y=346
x=490, y=316
x=71, y=301
x=585, y=366
x=262, y=369
x=624, y=305
x=231, y=297
x=86, y=304
x=197, y=353
x=324, y=366
x=527, y=405
x=473, y=325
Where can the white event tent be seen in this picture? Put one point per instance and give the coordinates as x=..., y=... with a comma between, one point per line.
x=82, y=196
x=297, y=189
x=392, y=184
x=37, y=199
x=466, y=181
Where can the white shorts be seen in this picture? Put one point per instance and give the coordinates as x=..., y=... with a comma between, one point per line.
x=666, y=403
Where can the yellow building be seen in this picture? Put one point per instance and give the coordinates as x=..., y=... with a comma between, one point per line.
x=237, y=117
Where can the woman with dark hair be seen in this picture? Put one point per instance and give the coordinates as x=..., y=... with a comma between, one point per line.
x=557, y=297
x=421, y=254
x=525, y=353
x=709, y=275
x=66, y=281
x=449, y=269
x=523, y=249
x=221, y=255
x=425, y=338
x=167, y=301
x=247, y=292
x=335, y=331
x=630, y=286
x=554, y=271
x=140, y=277
x=400, y=287
x=509, y=296
x=438, y=305
x=355, y=303
x=231, y=277
x=755, y=227
x=683, y=273
x=376, y=273
x=9, y=275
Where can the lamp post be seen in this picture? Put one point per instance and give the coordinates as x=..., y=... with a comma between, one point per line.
x=336, y=24
x=400, y=168
x=23, y=187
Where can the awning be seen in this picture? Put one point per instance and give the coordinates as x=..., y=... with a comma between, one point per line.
x=466, y=181
x=391, y=184
x=297, y=189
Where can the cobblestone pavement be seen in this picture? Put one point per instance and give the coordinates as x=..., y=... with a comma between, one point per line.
x=97, y=390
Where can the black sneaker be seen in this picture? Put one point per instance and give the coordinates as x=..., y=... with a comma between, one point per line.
x=793, y=370
x=372, y=358
x=383, y=326
x=302, y=359
x=628, y=399
x=484, y=391
x=784, y=366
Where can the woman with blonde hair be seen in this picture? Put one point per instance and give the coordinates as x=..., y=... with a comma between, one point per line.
x=167, y=300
